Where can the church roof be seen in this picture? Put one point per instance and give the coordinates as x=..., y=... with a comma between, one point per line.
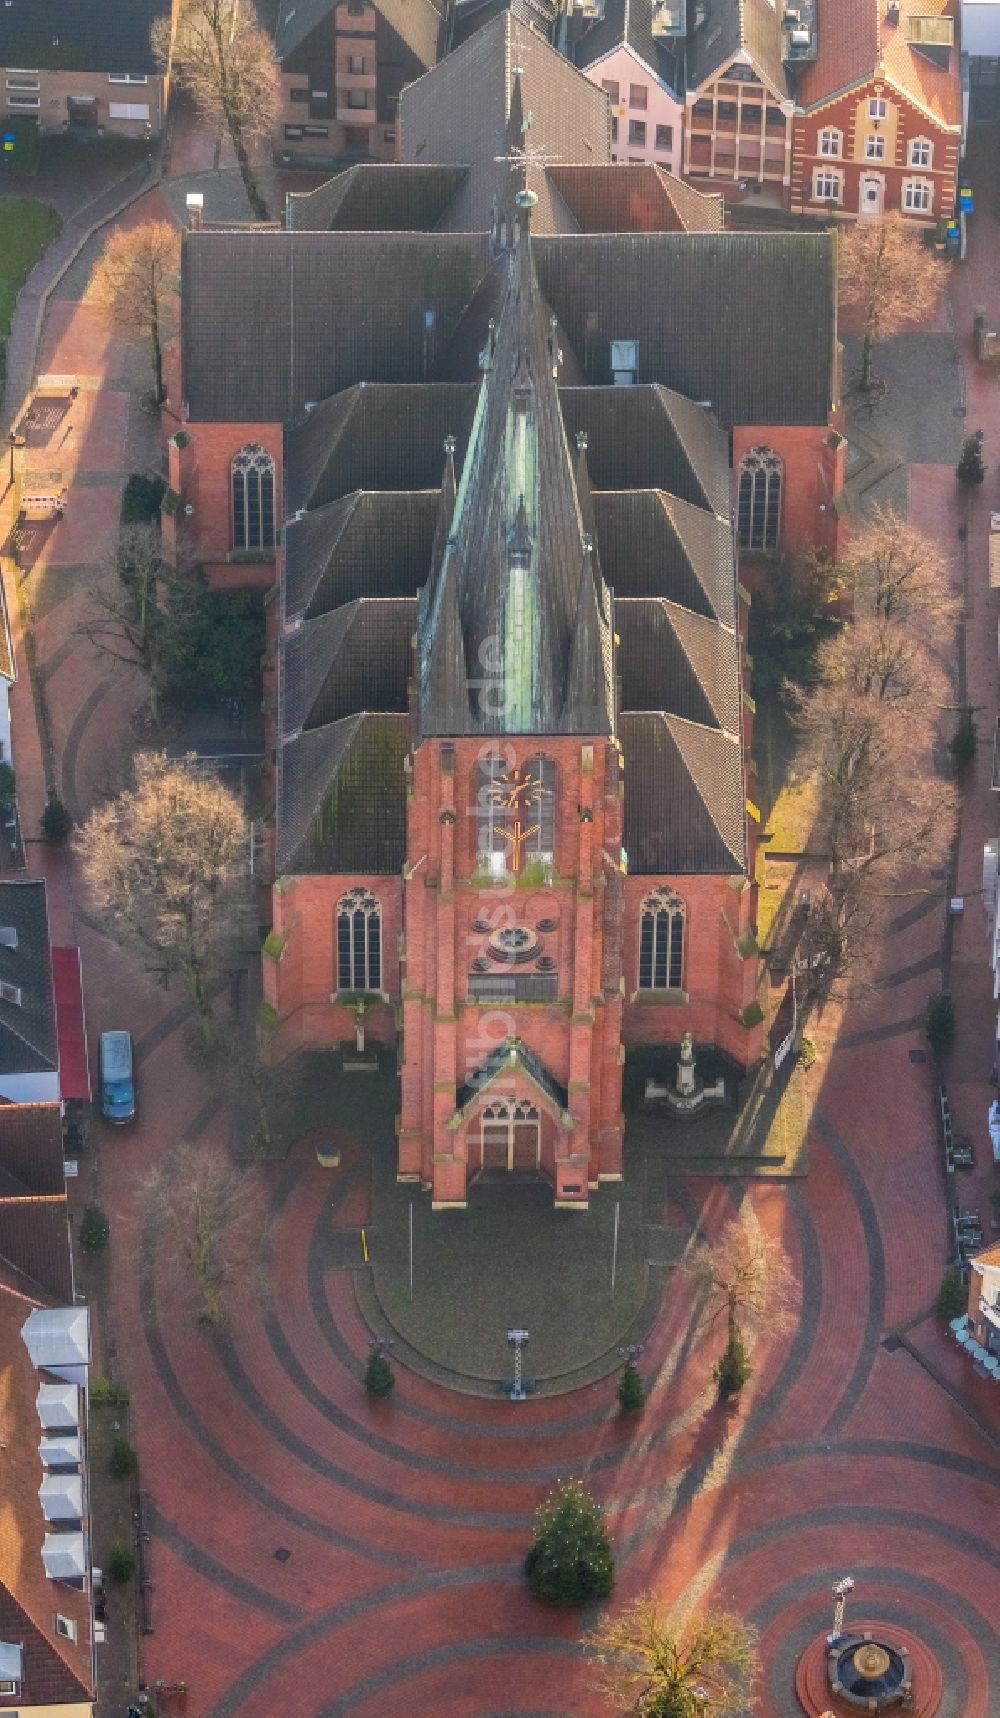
x=518, y=577
x=375, y=436
x=370, y=543
x=634, y=197
x=671, y=659
x=684, y=796
x=652, y=544
x=355, y=658
x=512, y=1053
x=341, y=800
x=365, y=198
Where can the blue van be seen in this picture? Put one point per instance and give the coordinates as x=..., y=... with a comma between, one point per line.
x=117, y=1077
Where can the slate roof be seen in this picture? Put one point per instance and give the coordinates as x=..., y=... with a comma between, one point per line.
x=374, y=197
x=417, y=23
x=629, y=23
x=371, y=543
x=98, y=36
x=650, y=438
x=471, y=108
x=27, y=1029
x=375, y=436
x=56, y=1671
x=342, y=799
x=651, y=544
x=862, y=38
x=731, y=25
x=355, y=658
x=468, y=16
x=684, y=796
x=743, y=320
x=635, y=197
x=512, y=1053
x=34, y=1214
x=673, y=660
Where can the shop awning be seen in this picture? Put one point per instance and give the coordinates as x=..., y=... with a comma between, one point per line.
x=71, y=1031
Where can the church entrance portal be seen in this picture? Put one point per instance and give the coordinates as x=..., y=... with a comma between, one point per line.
x=510, y=1138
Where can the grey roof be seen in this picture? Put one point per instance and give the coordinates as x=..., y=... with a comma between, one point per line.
x=513, y=1053
x=471, y=109
x=673, y=660
x=375, y=436
x=34, y=1218
x=629, y=23
x=684, y=796
x=650, y=438
x=417, y=23
x=98, y=36
x=753, y=25
x=745, y=321
x=376, y=197
x=342, y=798
x=28, y=1043
x=516, y=569
x=372, y=543
x=651, y=544
x=353, y=659
x=468, y=16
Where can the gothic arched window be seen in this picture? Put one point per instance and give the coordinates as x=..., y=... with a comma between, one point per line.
x=515, y=813
x=359, y=941
x=759, y=511
x=661, y=941
x=253, y=498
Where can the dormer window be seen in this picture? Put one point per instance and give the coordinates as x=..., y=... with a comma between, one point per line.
x=624, y=362
x=11, y=1670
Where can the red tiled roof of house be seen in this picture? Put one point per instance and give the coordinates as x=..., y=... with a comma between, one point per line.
x=56, y=1671
x=989, y=1255
x=860, y=39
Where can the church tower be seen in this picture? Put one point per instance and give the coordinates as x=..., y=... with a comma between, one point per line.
x=514, y=880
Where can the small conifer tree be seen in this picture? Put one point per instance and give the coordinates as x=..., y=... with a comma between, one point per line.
x=379, y=1377
x=631, y=1390
x=570, y=1562
x=970, y=469
x=733, y=1370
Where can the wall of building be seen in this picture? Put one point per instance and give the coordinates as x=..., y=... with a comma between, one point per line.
x=903, y=126
x=738, y=127
x=623, y=76
x=813, y=459
x=46, y=96
x=300, y=974
x=984, y=1287
x=200, y=473
x=719, y=981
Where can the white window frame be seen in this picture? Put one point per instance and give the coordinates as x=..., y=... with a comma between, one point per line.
x=924, y=188
x=920, y=146
x=128, y=110
x=823, y=178
x=9, y=1690
x=33, y=85
x=23, y=72
x=65, y=1627
x=875, y=146
x=830, y=135
x=31, y=101
x=878, y=107
x=127, y=78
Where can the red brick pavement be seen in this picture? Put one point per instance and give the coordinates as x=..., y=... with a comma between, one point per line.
x=406, y=1521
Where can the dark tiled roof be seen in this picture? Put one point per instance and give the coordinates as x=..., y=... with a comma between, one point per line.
x=375, y=197
x=653, y=545
x=96, y=35
x=372, y=543
x=512, y=1053
x=377, y=436
x=34, y=1240
x=417, y=23
x=745, y=321
x=330, y=310
x=634, y=197
x=629, y=23
x=684, y=797
x=753, y=25
x=678, y=662
x=31, y=1147
x=468, y=16
x=463, y=112
x=342, y=798
x=357, y=658
x=27, y=1029
x=650, y=438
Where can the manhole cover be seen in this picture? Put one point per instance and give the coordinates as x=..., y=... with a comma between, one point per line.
x=891, y=1343
x=282, y=1554
x=918, y=1056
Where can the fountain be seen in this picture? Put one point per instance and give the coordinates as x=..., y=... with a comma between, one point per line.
x=870, y=1668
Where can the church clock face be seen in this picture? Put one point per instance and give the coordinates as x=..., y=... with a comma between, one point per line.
x=520, y=810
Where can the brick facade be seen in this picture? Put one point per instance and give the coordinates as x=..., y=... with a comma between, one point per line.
x=874, y=162
x=200, y=462
x=300, y=973
x=738, y=126
x=813, y=472
x=86, y=100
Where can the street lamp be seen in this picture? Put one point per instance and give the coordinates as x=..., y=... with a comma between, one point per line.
x=840, y=1592
x=12, y=438
x=632, y=1351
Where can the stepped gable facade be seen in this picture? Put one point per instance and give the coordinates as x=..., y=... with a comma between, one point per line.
x=510, y=728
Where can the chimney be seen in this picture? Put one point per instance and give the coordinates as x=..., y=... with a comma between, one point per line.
x=195, y=202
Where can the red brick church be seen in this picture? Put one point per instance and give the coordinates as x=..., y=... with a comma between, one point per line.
x=492, y=473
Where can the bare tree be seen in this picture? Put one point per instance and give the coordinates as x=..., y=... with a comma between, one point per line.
x=838, y=950
x=225, y=60
x=137, y=277
x=648, y=1669
x=897, y=572
x=882, y=660
x=165, y=862
x=209, y=1218
x=888, y=274
x=137, y=605
x=745, y=1276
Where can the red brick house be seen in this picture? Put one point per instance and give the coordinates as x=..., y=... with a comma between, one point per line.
x=510, y=727
x=878, y=121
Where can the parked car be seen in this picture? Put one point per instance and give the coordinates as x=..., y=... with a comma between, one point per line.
x=117, y=1077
